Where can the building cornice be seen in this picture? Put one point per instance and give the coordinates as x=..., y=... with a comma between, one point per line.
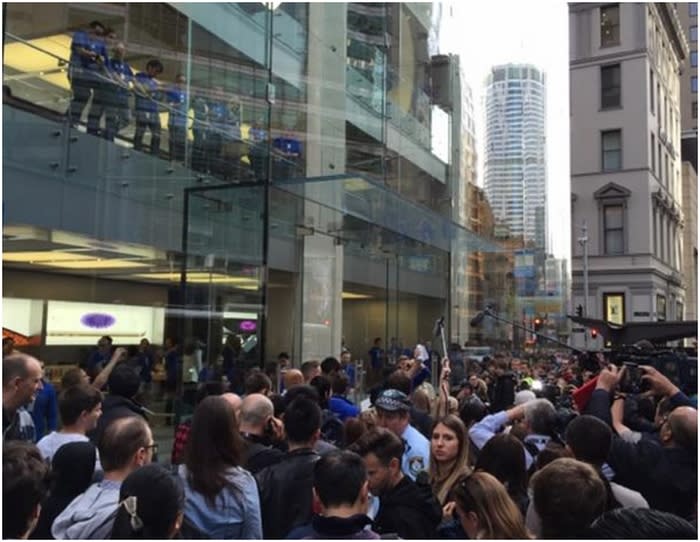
x=602, y=59
x=674, y=29
x=616, y=172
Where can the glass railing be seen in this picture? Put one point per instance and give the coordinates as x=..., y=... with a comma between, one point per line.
x=366, y=86
x=200, y=129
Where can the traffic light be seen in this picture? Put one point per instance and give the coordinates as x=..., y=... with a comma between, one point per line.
x=579, y=311
x=538, y=323
x=594, y=333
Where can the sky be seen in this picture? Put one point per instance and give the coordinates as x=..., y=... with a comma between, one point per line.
x=486, y=33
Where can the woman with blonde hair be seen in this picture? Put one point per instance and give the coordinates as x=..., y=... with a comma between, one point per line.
x=449, y=456
x=486, y=511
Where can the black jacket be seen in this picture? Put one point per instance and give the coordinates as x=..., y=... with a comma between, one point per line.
x=259, y=454
x=666, y=477
x=286, y=493
x=409, y=510
x=422, y=421
x=503, y=392
x=115, y=407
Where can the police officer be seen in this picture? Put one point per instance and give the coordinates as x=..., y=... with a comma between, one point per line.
x=393, y=413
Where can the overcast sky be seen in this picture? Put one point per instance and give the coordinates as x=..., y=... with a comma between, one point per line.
x=490, y=32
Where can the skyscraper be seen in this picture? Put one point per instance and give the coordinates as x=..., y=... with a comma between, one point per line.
x=515, y=173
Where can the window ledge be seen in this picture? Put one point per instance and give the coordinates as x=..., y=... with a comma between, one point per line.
x=611, y=108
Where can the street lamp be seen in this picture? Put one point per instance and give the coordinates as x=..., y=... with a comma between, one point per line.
x=583, y=241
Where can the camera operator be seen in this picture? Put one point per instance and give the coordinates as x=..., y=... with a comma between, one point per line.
x=666, y=474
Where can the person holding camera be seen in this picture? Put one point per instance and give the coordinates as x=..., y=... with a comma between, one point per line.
x=665, y=474
x=260, y=430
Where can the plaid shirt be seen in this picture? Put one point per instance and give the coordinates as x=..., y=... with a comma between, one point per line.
x=182, y=433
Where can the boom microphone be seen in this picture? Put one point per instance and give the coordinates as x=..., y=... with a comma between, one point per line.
x=476, y=321
x=439, y=323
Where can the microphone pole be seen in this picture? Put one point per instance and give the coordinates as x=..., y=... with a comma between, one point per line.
x=488, y=312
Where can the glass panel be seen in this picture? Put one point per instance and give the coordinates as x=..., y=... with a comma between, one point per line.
x=609, y=25
x=615, y=308
x=223, y=278
x=613, y=217
x=660, y=307
x=610, y=86
x=614, y=242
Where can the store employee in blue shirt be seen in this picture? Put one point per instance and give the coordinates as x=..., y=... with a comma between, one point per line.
x=116, y=92
x=177, y=119
x=146, y=106
x=87, y=59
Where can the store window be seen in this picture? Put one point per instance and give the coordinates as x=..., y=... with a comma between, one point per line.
x=614, y=307
x=612, y=150
x=660, y=308
x=610, y=25
x=610, y=86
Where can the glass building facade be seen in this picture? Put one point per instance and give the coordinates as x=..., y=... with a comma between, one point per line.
x=194, y=171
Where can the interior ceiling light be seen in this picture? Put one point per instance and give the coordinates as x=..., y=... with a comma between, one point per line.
x=40, y=58
x=201, y=277
x=44, y=256
x=351, y=295
x=355, y=184
x=94, y=263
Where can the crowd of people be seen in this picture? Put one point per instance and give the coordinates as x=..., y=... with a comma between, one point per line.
x=106, y=89
x=513, y=448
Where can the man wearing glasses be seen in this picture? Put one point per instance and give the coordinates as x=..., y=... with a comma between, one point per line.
x=126, y=445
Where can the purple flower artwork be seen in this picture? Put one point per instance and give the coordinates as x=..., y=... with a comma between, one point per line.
x=97, y=320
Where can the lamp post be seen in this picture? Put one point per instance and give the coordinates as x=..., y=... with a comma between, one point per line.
x=583, y=241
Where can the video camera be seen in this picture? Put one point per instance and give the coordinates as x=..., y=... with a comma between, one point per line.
x=678, y=367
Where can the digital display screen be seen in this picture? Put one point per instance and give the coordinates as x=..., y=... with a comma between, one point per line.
x=74, y=323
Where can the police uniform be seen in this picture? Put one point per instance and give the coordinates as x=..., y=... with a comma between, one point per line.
x=416, y=454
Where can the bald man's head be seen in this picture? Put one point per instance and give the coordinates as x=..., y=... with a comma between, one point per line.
x=293, y=377
x=683, y=422
x=256, y=409
x=235, y=401
x=21, y=380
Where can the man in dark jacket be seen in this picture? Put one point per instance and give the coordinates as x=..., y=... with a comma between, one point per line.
x=406, y=508
x=286, y=487
x=259, y=428
x=665, y=475
x=340, y=485
x=502, y=392
x=123, y=383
